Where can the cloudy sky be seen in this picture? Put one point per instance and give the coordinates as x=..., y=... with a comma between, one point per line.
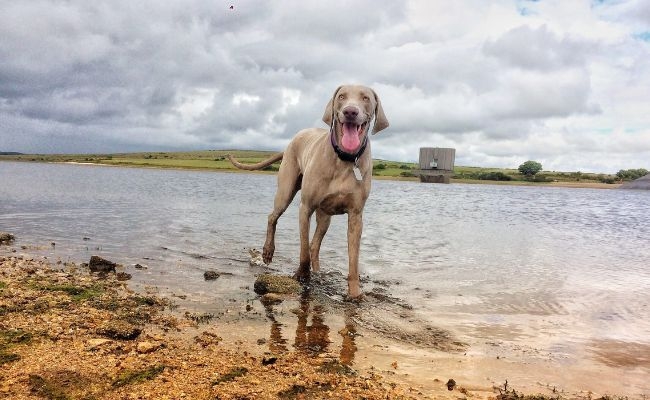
x=563, y=82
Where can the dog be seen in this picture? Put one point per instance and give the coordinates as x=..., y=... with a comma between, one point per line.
x=333, y=170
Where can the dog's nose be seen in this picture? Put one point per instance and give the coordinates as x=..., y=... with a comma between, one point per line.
x=350, y=112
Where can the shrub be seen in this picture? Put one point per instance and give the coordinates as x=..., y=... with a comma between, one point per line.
x=407, y=174
x=631, y=174
x=380, y=166
x=494, y=176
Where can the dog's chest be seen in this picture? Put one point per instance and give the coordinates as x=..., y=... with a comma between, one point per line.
x=337, y=203
x=344, y=197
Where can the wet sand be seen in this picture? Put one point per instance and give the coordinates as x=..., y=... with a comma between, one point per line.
x=66, y=333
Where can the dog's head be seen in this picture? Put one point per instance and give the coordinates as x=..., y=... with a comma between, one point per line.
x=351, y=110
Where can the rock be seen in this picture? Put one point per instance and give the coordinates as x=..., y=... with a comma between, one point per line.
x=121, y=330
x=6, y=238
x=210, y=275
x=269, y=359
x=123, y=276
x=268, y=283
x=94, y=344
x=98, y=264
x=207, y=338
x=451, y=384
x=147, y=347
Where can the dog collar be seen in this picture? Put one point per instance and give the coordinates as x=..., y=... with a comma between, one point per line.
x=344, y=155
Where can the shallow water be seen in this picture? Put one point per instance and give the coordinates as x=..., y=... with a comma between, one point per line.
x=552, y=274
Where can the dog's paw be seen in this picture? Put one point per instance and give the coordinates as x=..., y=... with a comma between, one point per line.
x=358, y=299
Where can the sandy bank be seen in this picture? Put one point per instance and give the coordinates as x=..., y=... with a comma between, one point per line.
x=66, y=334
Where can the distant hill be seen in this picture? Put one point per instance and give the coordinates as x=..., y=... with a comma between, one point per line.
x=641, y=183
x=10, y=153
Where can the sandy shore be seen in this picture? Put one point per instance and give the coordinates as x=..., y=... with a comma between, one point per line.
x=69, y=334
x=66, y=333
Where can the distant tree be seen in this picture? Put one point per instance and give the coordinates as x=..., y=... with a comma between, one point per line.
x=530, y=168
x=631, y=174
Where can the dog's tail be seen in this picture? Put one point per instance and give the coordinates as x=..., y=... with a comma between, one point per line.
x=252, y=167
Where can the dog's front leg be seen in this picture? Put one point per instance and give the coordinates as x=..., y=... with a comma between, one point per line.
x=355, y=227
x=304, y=218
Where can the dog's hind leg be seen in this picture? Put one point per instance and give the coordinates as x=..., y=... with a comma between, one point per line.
x=322, y=224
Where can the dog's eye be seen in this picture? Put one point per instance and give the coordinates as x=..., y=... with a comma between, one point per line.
x=341, y=97
x=366, y=98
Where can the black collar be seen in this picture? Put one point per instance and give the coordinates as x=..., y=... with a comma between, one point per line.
x=343, y=155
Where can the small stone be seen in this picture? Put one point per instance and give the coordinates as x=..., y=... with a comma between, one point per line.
x=123, y=276
x=269, y=359
x=210, y=275
x=6, y=238
x=147, y=347
x=451, y=384
x=119, y=330
x=94, y=344
x=98, y=264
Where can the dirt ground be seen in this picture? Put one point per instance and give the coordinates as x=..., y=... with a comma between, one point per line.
x=67, y=334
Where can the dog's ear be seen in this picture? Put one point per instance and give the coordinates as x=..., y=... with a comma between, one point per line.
x=327, y=116
x=381, y=122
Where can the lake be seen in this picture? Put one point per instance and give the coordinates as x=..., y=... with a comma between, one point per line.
x=553, y=277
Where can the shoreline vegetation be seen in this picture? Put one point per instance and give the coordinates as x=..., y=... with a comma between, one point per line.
x=215, y=160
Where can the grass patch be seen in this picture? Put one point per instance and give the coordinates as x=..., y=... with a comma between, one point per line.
x=231, y=375
x=14, y=336
x=6, y=357
x=131, y=377
x=78, y=293
x=46, y=389
x=2, y=285
x=336, y=367
x=9, y=338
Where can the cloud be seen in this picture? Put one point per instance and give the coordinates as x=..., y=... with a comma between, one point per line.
x=501, y=81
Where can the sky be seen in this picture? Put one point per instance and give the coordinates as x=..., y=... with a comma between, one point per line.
x=562, y=82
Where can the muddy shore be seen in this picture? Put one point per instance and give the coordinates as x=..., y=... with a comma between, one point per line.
x=67, y=333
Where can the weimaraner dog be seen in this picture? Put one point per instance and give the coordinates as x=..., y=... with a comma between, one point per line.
x=332, y=169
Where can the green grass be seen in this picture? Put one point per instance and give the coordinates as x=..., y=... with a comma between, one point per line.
x=130, y=377
x=215, y=160
x=231, y=375
x=77, y=293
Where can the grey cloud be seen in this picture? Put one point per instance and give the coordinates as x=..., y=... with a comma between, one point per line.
x=537, y=49
x=123, y=75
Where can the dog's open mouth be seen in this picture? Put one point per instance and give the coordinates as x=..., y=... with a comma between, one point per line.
x=351, y=133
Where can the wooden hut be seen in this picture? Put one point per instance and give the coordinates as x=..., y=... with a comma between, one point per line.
x=436, y=164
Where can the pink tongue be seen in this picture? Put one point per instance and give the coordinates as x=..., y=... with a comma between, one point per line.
x=350, y=140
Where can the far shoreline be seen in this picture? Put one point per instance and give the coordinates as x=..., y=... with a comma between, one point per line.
x=555, y=184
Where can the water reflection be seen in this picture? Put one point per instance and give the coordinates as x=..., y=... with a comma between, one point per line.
x=312, y=333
